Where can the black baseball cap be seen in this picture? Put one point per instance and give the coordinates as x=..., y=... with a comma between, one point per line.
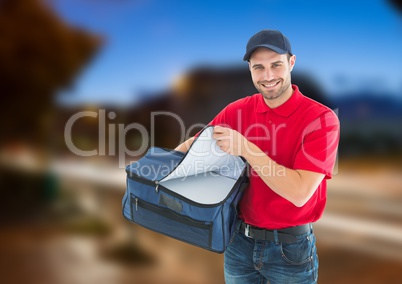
x=271, y=39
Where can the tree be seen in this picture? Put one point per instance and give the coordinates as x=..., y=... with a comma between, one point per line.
x=39, y=55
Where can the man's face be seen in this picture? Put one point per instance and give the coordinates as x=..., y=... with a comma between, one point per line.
x=270, y=73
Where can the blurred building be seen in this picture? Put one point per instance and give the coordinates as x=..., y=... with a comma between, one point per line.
x=189, y=104
x=370, y=123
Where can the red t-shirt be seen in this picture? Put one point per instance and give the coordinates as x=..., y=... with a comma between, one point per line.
x=300, y=134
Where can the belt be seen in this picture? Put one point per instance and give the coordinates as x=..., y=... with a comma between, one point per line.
x=287, y=235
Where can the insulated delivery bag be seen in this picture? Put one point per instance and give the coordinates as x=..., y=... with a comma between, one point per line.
x=189, y=196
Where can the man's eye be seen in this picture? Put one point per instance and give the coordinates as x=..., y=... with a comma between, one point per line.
x=275, y=65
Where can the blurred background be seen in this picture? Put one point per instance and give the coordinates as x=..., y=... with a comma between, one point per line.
x=80, y=79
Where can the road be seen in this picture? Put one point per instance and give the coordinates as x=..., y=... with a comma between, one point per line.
x=359, y=236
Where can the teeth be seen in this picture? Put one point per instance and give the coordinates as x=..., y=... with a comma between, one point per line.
x=269, y=85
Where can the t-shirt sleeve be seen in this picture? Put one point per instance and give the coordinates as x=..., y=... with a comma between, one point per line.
x=319, y=145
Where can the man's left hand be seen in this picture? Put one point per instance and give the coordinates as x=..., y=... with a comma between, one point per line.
x=229, y=140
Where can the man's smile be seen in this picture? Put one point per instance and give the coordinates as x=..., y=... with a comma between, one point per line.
x=269, y=85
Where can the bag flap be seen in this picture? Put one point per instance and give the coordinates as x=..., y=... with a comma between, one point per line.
x=204, y=156
x=156, y=164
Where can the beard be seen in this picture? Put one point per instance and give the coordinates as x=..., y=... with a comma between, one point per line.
x=274, y=93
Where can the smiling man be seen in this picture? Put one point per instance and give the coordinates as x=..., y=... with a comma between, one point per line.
x=270, y=72
x=290, y=142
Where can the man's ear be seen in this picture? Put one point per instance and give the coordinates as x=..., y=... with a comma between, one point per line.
x=292, y=62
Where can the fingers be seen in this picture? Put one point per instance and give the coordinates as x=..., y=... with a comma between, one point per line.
x=222, y=145
x=220, y=132
x=219, y=129
x=221, y=135
x=228, y=140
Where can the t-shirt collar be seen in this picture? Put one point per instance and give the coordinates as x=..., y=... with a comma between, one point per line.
x=285, y=109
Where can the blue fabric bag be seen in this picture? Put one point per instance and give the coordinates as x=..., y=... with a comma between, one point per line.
x=189, y=196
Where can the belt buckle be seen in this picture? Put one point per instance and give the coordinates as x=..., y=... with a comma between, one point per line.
x=247, y=231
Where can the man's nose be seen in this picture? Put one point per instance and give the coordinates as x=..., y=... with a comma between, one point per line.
x=268, y=75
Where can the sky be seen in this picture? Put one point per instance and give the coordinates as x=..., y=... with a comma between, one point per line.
x=344, y=44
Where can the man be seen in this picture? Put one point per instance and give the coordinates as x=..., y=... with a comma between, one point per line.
x=290, y=143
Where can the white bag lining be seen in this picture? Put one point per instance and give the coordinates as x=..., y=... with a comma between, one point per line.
x=208, y=188
x=206, y=174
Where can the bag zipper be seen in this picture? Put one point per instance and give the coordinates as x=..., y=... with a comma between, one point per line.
x=159, y=187
x=242, y=178
x=185, y=154
x=154, y=183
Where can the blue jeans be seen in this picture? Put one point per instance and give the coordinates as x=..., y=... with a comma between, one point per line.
x=249, y=261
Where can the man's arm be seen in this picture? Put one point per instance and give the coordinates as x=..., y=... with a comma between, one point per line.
x=297, y=186
x=183, y=147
